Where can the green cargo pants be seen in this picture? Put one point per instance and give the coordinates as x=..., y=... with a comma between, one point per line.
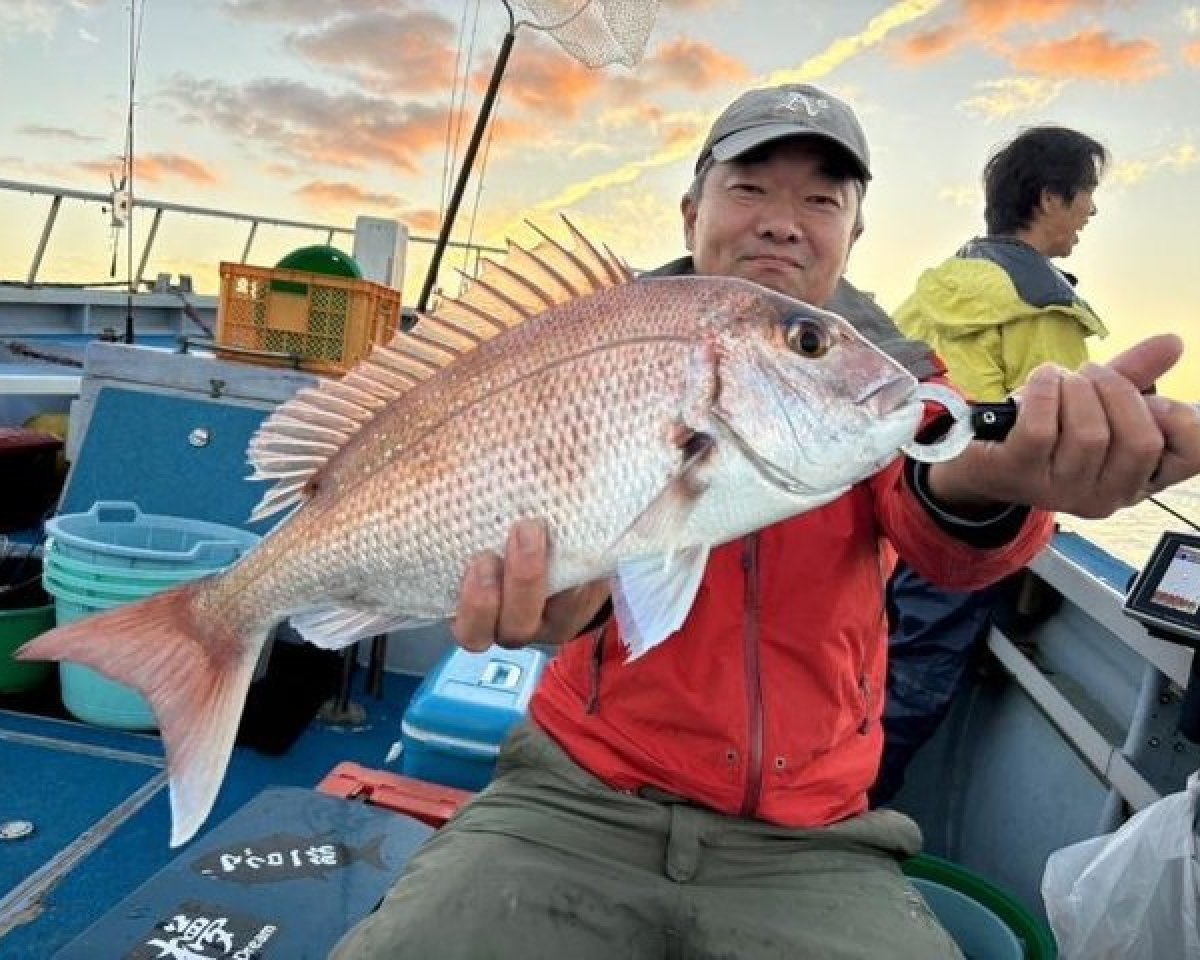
x=550, y=864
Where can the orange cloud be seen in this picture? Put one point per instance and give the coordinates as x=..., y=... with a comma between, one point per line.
x=983, y=21
x=1191, y=53
x=641, y=114
x=546, y=81
x=422, y=221
x=692, y=65
x=993, y=17
x=295, y=123
x=325, y=195
x=157, y=167
x=931, y=44
x=328, y=194
x=386, y=52
x=682, y=136
x=1092, y=54
x=154, y=168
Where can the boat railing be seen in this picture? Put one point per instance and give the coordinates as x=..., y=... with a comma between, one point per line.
x=118, y=204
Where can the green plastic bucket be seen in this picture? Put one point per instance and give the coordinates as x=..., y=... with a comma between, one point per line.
x=1029, y=930
x=16, y=628
x=25, y=611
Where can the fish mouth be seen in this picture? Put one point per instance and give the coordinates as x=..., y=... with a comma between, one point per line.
x=888, y=395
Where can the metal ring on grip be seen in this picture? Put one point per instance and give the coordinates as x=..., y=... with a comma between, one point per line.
x=956, y=438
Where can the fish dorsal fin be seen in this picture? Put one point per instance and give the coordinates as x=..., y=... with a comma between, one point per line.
x=297, y=441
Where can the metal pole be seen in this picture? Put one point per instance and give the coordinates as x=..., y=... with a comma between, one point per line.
x=129, y=171
x=464, y=175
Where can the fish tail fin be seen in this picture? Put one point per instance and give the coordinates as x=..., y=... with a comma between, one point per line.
x=194, y=669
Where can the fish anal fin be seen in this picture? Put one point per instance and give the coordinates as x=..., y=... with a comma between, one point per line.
x=194, y=675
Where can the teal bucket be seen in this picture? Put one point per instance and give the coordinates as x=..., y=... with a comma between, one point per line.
x=986, y=921
x=979, y=933
x=117, y=535
x=101, y=577
x=112, y=555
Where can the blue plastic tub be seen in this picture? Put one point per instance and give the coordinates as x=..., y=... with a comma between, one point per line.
x=114, y=554
x=103, y=575
x=117, y=534
x=465, y=707
x=979, y=933
x=91, y=696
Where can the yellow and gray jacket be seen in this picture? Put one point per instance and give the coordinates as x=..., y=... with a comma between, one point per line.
x=994, y=311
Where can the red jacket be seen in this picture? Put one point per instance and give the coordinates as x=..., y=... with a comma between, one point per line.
x=767, y=703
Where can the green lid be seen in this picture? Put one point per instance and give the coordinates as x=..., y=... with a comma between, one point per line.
x=321, y=258
x=318, y=258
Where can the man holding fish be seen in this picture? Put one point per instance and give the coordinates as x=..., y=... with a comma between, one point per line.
x=708, y=797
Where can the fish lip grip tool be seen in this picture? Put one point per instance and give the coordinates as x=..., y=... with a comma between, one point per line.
x=970, y=421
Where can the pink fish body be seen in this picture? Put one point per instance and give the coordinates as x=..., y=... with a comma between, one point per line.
x=643, y=421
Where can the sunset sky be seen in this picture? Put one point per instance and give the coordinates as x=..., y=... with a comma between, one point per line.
x=324, y=109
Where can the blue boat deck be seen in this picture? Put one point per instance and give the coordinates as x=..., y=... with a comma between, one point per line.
x=97, y=802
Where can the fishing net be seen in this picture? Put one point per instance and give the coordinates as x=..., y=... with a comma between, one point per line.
x=594, y=32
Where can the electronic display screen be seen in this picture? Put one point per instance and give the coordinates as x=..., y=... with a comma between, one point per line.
x=1179, y=587
x=1166, y=594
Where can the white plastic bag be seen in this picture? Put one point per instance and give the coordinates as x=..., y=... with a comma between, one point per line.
x=1133, y=894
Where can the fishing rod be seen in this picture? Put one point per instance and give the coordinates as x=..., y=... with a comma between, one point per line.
x=592, y=32
x=464, y=174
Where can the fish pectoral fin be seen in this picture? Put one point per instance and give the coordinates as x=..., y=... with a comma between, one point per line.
x=653, y=595
x=661, y=525
x=332, y=628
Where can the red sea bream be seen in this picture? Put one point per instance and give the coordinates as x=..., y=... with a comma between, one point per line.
x=644, y=421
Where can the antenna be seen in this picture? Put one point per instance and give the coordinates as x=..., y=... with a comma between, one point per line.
x=123, y=201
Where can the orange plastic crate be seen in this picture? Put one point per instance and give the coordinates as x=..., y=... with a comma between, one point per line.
x=307, y=320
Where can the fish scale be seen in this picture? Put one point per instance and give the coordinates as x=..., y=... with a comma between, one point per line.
x=644, y=422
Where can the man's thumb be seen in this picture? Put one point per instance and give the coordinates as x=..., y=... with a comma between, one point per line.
x=1145, y=362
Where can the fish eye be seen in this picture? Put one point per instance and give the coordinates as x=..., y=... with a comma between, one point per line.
x=808, y=338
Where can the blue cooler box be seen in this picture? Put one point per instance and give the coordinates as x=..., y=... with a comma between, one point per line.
x=463, y=710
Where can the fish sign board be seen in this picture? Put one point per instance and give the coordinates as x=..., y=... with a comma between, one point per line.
x=284, y=877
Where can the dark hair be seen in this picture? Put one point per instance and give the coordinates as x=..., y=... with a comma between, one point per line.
x=1057, y=159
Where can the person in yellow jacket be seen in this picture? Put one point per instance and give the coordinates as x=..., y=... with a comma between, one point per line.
x=992, y=313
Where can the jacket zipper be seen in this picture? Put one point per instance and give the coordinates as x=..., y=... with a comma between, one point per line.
x=864, y=689
x=754, y=705
x=864, y=681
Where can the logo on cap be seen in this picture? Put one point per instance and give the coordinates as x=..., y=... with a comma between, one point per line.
x=813, y=106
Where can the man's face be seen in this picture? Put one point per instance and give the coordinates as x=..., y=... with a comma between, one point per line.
x=1060, y=222
x=782, y=221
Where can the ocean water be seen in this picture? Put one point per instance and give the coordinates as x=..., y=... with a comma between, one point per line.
x=1131, y=534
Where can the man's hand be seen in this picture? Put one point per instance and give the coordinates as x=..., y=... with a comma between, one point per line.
x=1086, y=443
x=504, y=601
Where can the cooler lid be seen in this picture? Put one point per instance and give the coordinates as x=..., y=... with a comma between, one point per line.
x=475, y=698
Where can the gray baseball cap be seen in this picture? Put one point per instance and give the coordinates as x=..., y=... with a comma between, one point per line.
x=775, y=113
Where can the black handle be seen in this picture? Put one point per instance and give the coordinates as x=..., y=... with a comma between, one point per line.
x=993, y=421
x=1189, y=717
